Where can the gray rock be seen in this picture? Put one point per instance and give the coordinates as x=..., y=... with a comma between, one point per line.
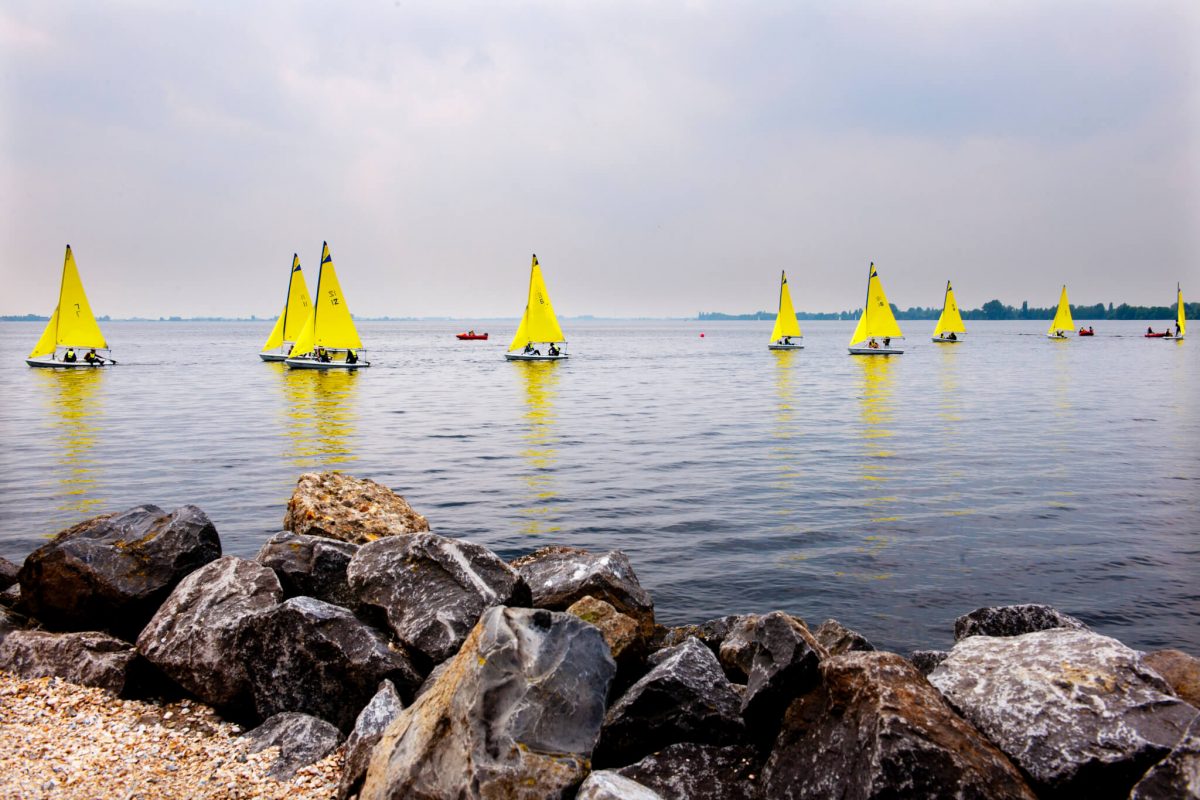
x=1013, y=621
x=1177, y=776
x=311, y=656
x=1078, y=712
x=836, y=638
x=514, y=715
x=432, y=589
x=310, y=566
x=712, y=633
x=88, y=658
x=350, y=509
x=690, y=771
x=432, y=678
x=685, y=697
x=738, y=647
x=8, y=573
x=13, y=621
x=372, y=721
x=112, y=572
x=783, y=657
x=607, y=785
x=302, y=740
x=926, y=661
x=561, y=576
x=192, y=638
x=11, y=597
x=875, y=728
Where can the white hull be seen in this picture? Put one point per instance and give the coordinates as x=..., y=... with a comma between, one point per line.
x=940, y=340
x=875, y=351
x=776, y=346
x=312, y=363
x=52, y=363
x=272, y=356
x=523, y=357
x=1052, y=336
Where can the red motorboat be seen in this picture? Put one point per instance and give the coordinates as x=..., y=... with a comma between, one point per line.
x=472, y=335
x=1154, y=336
x=1087, y=332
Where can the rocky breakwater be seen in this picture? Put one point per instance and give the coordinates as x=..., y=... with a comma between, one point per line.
x=438, y=670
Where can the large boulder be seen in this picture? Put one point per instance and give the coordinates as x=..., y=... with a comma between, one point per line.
x=311, y=656
x=310, y=566
x=689, y=771
x=1078, y=712
x=515, y=714
x=1179, y=670
x=605, y=784
x=431, y=590
x=875, y=728
x=1177, y=776
x=836, y=638
x=1013, y=621
x=88, y=658
x=192, y=638
x=302, y=740
x=356, y=510
x=372, y=721
x=561, y=576
x=112, y=572
x=685, y=697
x=8, y=573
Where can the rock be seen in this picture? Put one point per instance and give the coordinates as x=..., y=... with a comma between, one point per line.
x=311, y=656
x=89, y=658
x=620, y=632
x=372, y=721
x=355, y=510
x=836, y=638
x=1179, y=670
x=8, y=573
x=712, y=633
x=431, y=678
x=1078, y=712
x=781, y=660
x=310, y=566
x=432, y=589
x=112, y=572
x=11, y=596
x=301, y=739
x=1013, y=621
x=607, y=785
x=737, y=648
x=875, y=728
x=12, y=621
x=1178, y=775
x=927, y=660
x=514, y=715
x=561, y=576
x=192, y=638
x=690, y=771
x=685, y=697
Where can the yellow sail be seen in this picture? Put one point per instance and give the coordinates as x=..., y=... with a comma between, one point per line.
x=877, y=319
x=276, y=338
x=295, y=309
x=1062, y=317
x=72, y=322
x=539, y=323
x=785, y=320
x=49, y=341
x=1180, y=318
x=951, y=320
x=329, y=323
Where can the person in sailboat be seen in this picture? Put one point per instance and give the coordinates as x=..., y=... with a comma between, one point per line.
x=92, y=357
x=69, y=356
x=323, y=355
x=952, y=337
x=553, y=349
x=530, y=350
x=874, y=345
x=887, y=341
x=786, y=340
x=351, y=357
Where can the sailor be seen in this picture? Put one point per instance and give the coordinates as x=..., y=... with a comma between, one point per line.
x=553, y=349
x=787, y=340
x=323, y=355
x=1149, y=331
x=351, y=358
x=529, y=351
x=91, y=357
x=874, y=345
x=69, y=356
x=887, y=341
x=952, y=337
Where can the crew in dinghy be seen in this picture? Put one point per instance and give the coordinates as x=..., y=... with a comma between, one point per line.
x=296, y=305
x=328, y=335
x=539, y=324
x=877, y=321
x=786, y=325
x=1062, y=318
x=950, y=323
x=71, y=325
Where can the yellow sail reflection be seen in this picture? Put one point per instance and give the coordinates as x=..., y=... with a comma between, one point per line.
x=950, y=412
x=320, y=415
x=783, y=429
x=540, y=379
x=74, y=405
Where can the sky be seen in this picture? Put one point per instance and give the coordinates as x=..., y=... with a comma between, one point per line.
x=661, y=158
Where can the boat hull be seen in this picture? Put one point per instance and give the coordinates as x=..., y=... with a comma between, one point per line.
x=940, y=340
x=312, y=363
x=272, y=356
x=48, y=362
x=524, y=357
x=875, y=351
x=785, y=347
x=468, y=337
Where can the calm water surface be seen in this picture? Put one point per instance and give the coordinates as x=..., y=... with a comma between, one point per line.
x=893, y=494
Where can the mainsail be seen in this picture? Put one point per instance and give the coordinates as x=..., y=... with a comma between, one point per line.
x=877, y=319
x=785, y=320
x=1062, y=317
x=1180, y=317
x=72, y=324
x=329, y=323
x=539, y=323
x=950, y=321
x=295, y=309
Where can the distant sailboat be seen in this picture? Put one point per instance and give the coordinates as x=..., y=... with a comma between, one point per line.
x=539, y=325
x=72, y=326
x=1180, y=317
x=328, y=339
x=950, y=323
x=295, y=312
x=877, y=322
x=1062, y=318
x=786, y=326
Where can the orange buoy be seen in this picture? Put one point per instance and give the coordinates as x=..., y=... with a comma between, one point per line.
x=701, y=335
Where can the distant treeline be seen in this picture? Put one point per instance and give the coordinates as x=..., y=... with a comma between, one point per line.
x=992, y=309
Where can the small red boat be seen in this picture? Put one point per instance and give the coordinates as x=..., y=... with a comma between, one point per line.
x=472, y=335
x=1154, y=335
x=1087, y=332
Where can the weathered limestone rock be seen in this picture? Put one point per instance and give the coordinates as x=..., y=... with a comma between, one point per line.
x=780, y=657
x=372, y=721
x=112, y=572
x=432, y=589
x=875, y=728
x=690, y=771
x=515, y=714
x=561, y=576
x=836, y=638
x=310, y=566
x=1177, y=776
x=685, y=697
x=712, y=633
x=192, y=638
x=607, y=785
x=356, y=510
x=1013, y=621
x=926, y=661
x=1179, y=670
x=311, y=656
x=302, y=740
x=1078, y=712
x=8, y=573
x=621, y=633
x=89, y=658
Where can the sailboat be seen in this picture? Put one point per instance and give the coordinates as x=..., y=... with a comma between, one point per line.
x=877, y=322
x=71, y=326
x=328, y=339
x=1180, y=317
x=786, y=325
x=539, y=326
x=950, y=323
x=1062, y=318
x=295, y=311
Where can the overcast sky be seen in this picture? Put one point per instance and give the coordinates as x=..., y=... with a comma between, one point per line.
x=660, y=158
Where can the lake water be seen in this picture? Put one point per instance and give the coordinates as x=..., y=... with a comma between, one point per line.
x=893, y=494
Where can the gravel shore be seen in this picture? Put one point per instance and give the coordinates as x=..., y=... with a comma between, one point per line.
x=65, y=741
